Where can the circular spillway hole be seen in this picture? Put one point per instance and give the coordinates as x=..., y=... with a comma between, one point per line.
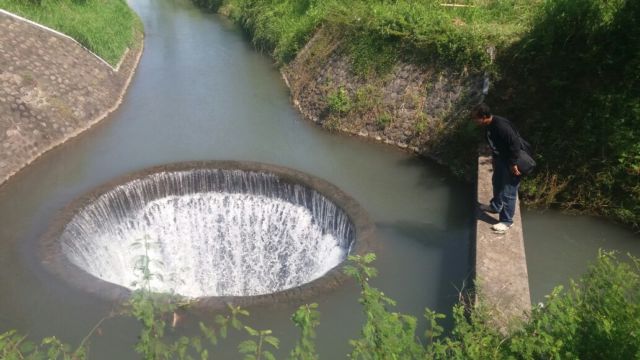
x=208, y=233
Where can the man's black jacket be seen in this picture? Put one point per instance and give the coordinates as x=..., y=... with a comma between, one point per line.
x=503, y=139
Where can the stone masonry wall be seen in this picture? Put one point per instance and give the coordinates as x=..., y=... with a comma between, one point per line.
x=412, y=107
x=51, y=89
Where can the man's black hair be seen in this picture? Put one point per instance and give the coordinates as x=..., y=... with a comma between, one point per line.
x=481, y=110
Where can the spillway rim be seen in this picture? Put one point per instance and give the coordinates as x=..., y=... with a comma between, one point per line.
x=55, y=261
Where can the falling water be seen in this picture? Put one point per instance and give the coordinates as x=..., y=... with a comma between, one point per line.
x=210, y=232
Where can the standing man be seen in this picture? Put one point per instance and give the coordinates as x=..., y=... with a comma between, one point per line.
x=505, y=145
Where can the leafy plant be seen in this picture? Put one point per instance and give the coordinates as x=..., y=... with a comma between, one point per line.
x=257, y=349
x=339, y=101
x=421, y=123
x=14, y=346
x=385, y=334
x=379, y=32
x=307, y=318
x=383, y=120
x=598, y=317
x=371, y=56
x=367, y=98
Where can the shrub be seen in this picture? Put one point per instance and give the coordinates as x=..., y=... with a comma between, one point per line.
x=367, y=98
x=339, y=101
x=383, y=120
x=598, y=317
x=421, y=123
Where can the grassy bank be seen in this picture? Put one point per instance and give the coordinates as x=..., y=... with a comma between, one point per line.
x=106, y=27
x=573, y=84
x=567, y=74
x=416, y=30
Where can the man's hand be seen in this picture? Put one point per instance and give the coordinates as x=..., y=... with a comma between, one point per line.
x=515, y=171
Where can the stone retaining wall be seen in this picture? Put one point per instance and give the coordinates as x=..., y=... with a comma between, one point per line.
x=420, y=102
x=51, y=89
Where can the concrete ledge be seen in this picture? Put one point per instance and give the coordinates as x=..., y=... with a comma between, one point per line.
x=502, y=281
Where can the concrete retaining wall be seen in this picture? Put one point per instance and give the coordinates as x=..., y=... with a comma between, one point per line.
x=51, y=89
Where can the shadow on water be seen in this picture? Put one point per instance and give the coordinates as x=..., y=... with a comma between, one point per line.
x=457, y=210
x=454, y=274
x=448, y=238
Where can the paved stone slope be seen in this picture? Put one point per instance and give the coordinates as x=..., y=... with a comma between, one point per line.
x=420, y=103
x=51, y=89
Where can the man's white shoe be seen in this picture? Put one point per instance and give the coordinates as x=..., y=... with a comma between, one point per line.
x=500, y=228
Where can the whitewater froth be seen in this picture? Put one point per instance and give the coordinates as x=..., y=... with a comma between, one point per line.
x=210, y=233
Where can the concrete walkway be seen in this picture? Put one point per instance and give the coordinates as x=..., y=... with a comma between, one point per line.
x=51, y=89
x=501, y=264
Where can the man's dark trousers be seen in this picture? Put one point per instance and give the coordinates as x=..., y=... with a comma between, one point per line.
x=505, y=190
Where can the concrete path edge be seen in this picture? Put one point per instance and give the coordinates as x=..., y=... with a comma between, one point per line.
x=502, y=281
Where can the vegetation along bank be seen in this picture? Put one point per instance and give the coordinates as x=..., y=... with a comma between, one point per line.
x=598, y=317
x=107, y=28
x=405, y=72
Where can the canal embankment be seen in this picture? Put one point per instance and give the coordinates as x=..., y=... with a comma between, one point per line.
x=413, y=107
x=52, y=89
x=585, y=141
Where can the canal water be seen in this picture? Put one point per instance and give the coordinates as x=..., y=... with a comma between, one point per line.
x=201, y=92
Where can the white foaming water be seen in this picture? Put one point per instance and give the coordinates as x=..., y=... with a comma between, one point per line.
x=271, y=236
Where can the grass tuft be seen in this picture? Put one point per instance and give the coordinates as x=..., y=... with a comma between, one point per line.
x=106, y=27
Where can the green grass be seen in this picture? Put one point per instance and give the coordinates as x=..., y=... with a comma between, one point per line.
x=106, y=27
x=417, y=30
x=573, y=84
